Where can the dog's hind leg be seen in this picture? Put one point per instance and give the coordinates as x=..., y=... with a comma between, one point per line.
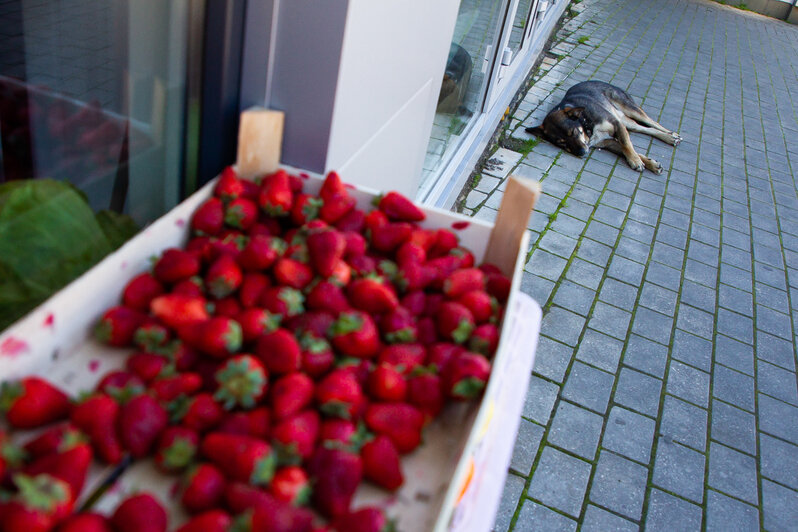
x=616, y=147
x=637, y=115
x=665, y=136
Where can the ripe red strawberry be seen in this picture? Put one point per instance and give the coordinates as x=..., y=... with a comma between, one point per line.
x=175, y=265
x=326, y=295
x=141, y=421
x=218, y=337
x=461, y=281
x=229, y=186
x=372, y=294
x=315, y=323
x=337, y=474
x=411, y=252
x=39, y=503
x=498, y=285
x=241, y=213
x=386, y=238
x=200, y=412
x=424, y=392
x=336, y=198
x=279, y=351
x=283, y=300
x=32, y=402
x=353, y=221
x=401, y=422
x=263, y=512
x=356, y=244
x=255, y=322
x=412, y=276
x=404, y=357
x=151, y=335
x=242, y=382
x=147, y=366
x=369, y=519
x=193, y=287
x=242, y=458
x=317, y=355
x=202, y=488
x=170, y=387
x=355, y=334
x=290, y=394
x=261, y=252
x=362, y=264
x=305, y=209
x=85, y=522
x=291, y=484
x=183, y=355
x=342, y=431
x=276, y=197
x=176, y=449
x=465, y=375
x=427, y=331
x=223, y=277
x=439, y=354
x=484, y=339
x=424, y=238
x=139, y=513
x=295, y=437
x=70, y=465
x=399, y=208
x=455, y=322
x=399, y=326
x=140, y=290
x=252, y=286
x=121, y=385
x=381, y=463
x=210, y=521
x=325, y=248
x=118, y=325
x=445, y=242
x=482, y=305
x=208, y=219
x=339, y=394
x=178, y=310
x=255, y=423
x=97, y=417
x=386, y=383
x=56, y=439
x=293, y=273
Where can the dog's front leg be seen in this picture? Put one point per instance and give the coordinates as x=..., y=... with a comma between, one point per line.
x=632, y=157
x=615, y=147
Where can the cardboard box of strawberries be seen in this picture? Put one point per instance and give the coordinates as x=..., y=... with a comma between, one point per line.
x=285, y=354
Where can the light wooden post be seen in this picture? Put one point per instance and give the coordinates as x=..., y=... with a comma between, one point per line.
x=517, y=204
x=260, y=140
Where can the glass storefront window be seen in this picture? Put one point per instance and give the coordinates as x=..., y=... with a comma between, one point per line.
x=523, y=16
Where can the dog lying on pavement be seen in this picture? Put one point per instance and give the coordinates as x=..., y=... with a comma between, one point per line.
x=594, y=114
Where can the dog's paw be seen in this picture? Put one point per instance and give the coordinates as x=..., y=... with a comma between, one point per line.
x=636, y=164
x=654, y=166
x=677, y=139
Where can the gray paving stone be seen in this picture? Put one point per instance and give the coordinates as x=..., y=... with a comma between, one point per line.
x=733, y=473
x=775, y=350
x=698, y=296
x=692, y=350
x=610, y=320
x=560, y=481
x=769, y=275
x=658, y=298
x=733, y=427
x=629, y=434
x=563, y=325
x=600, y=350
x=778, y=418
x=568, y=225
x=779, y=506
x=526, y=446
x=619, y=485
x=599, y=520
x=513, y=490
x=633, y=250
x=779, y=460
x=645, y=355
x=537, y=288
x=594, y=252
x=684, y=423
x=618, y=294
x=679, y=470
x=638, y=391
x=776, y=382
x=773, y=322
x=585, y=273
x=688, y=383
x=601, y=232
x=772, y=298
x=574, y=297
x=696, y=321
x=733, y=387
x=734, y=354
x=667, y=513
x=663, y=275
x=588, y=387
x=576, y=430
x=552, y=359
x=533, y=517
x=737, y=277
x=558, y=244
x=701, y=273
x=540, y=399
x=652, y=325
x=546, y=265
x=725, y=514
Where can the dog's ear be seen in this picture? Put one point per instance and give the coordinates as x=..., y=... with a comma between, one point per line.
x=536, y=130
x=573, y=112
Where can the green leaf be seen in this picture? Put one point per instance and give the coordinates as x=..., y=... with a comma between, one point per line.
x=118, y=228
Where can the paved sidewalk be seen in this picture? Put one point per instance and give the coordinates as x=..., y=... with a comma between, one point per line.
x=664, y=393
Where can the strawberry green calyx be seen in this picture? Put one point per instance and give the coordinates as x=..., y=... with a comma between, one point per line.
x=293, y=299
x=313, y=344
x=221, y=287
x=234, y=215
x=179, y=454
x=407, y=335
x=242, y=382
x=311, y=208
x=9, y=393
x=103, y=331
x=233, y=337
x=346, y=323
x=468, y=388
x=13, y=455
x=388, y=268
x=123, y=394
x=42, y=492
x=462, y=332
x=264, y=469
x=338, y=409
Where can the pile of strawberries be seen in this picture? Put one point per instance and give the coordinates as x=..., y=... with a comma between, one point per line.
x=296, y=347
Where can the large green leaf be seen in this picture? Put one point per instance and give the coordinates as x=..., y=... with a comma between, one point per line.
x=48, y=236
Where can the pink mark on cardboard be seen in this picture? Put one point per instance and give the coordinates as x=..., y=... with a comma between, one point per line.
x=49, y=320
x=459, y=226
x=13, y=347
x=94, y=365
x=181, y=222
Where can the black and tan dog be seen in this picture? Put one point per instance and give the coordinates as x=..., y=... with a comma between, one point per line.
x=594, y=114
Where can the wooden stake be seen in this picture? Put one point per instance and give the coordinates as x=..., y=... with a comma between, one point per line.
x=260, y=140
x=517, y=204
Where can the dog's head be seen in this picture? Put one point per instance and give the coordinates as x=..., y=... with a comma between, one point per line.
x=564, y=129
